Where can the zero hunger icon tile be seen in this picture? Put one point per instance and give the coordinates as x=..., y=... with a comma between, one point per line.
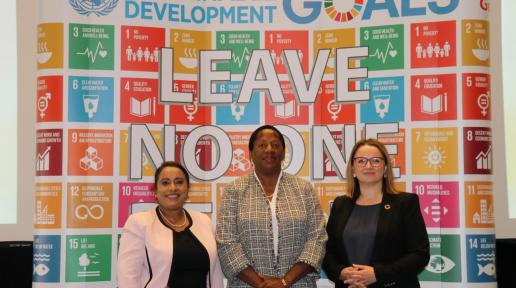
x=50, y=45
x=333, y=39
x=475, y=43
x=186, y=45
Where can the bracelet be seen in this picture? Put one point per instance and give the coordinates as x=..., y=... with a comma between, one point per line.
x=284, y=282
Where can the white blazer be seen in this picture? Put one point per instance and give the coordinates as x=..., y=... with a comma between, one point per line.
x=145, y=252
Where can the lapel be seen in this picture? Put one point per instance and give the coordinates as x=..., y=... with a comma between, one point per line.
x=384, y=219
x=343, y=217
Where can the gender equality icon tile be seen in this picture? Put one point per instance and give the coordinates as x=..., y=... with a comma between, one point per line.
x=147, y=165
x=237, y=113
x=50, y=45
x=387, y=100
x=91, y=46
x=47, y=213
x=203, y=151
x=89, y=205
x=49, y=102
x=327, y=112
x=241, y=44
x=277, y=41
x=386, y=47
x=333, y=39
x=190, y=114
x=433, y=44
x=475, y=43
x=241, y=161
x=289, y=112
x=478, y=199
x=49, y=152
x=90, y=152
x=480, y=255
x=445, y=261
x=434, y=151
x=90, y=99
x=476, y=96
x=434, y=97
x=186, y=45
x=88, y=258
x=46, y=258
x=478, y=153
x=134, y=197
x=140, y=48
x=139, y=102
x=439, y=203
x=327, y=193
x=398, y=160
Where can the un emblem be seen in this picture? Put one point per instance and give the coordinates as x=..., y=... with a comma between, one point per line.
x=98, y=7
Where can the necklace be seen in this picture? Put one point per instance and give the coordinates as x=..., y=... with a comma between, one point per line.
x=170, y=223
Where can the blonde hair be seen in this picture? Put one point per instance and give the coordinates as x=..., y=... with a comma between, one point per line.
x=387, y=180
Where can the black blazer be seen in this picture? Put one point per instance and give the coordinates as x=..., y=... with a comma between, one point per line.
x=401, y=250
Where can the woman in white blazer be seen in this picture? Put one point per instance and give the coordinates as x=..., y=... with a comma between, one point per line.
x=169, y=246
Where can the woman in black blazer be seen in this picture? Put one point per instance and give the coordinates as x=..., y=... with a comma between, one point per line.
x=376, y=235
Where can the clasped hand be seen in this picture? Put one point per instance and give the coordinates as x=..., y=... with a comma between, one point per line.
x=270, y=282
x=358, y=276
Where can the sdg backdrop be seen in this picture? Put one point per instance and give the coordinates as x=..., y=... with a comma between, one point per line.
x=125, y=84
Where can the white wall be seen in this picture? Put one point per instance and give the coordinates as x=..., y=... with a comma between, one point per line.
x=27, y=24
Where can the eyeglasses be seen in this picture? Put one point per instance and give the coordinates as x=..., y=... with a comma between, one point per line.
x=362, y=161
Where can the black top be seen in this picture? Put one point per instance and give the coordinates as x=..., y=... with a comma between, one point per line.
x=360, y=233
x=191, y=263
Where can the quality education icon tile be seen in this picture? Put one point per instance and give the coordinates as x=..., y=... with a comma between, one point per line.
x=50, y=45
x=433, y=44
x=46, y=258
x=89, y=205
x=480, y=255
x=289, y=112
x=90, y=99
x=49, y=106
x=398, y=160
x=478, y=154
x=434, y=151
x=333, y=39
x=386, y=51
x=133, y=198
x=90, y=152
x=327, y=193
x=241, y=44
x=439, y=203
x=88, y=258
x=237, y=113
x=476, y=96
x=327, y=112
x=186, y=45
x=139, y=101
x=49, y=152
x=147, y=165
x=47, y=214
x=475, y=43
x=91, y=47
x=277, y=41
x=140, y=48
x=387, y=100
x=445, y=262
x=434, y=97
x=190, y=114
x=478, y=198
